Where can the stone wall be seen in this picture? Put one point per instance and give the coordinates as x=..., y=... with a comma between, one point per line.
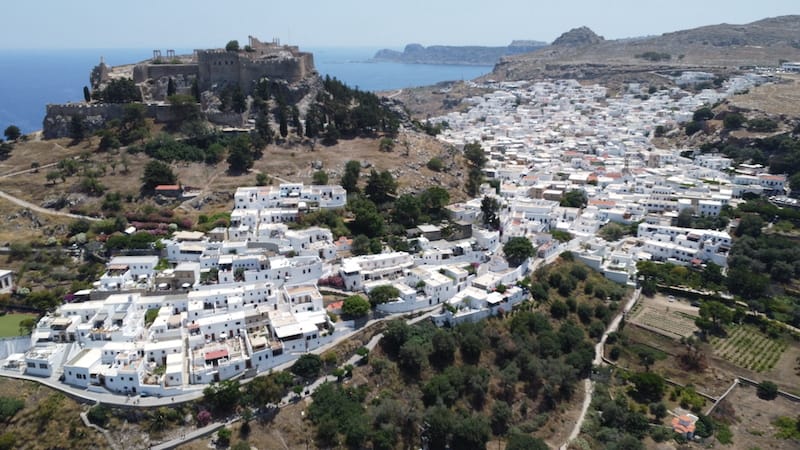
x=143, y=72
x=95, y=116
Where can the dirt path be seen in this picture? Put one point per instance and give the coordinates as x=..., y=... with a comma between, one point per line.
x=39, y=209
x=588, y=384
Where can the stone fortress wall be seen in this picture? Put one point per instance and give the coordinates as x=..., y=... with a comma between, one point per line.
x=216, y=67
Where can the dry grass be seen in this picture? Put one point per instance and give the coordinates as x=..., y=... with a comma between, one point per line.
x=35, y=430
x=778, y=98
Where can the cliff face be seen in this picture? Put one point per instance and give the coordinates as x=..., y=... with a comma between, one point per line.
x=456, y=55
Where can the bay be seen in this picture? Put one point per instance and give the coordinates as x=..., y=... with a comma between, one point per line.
x=30, y=79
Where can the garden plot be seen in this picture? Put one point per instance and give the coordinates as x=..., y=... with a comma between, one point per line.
x=749, y=348
x=668, y=317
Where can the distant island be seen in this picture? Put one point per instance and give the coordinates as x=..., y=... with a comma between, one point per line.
x=456, y=55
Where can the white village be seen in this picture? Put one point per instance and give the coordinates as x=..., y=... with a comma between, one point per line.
x=242, y=300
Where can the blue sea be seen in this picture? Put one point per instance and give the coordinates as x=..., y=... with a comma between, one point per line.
x=30, y=79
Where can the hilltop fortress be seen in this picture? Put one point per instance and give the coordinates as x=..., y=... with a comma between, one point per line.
x=209, y=70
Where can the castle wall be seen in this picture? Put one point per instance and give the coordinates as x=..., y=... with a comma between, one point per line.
x=217, y=67
x=156, y=71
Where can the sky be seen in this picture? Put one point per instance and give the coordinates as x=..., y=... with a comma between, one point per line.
x=163, y=24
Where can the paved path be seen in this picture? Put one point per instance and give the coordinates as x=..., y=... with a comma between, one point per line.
x=588, y=384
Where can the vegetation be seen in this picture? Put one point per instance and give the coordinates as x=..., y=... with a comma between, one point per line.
x=120, y=90
x=654, y=56
x=356, y=306
x=517, y=250
x=767, y=390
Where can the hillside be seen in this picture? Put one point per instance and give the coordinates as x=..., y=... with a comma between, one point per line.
x=582, y=54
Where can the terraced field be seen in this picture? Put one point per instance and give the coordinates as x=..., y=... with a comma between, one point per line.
x=749, y=348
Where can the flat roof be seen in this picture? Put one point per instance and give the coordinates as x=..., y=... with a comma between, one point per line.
x=86, y=358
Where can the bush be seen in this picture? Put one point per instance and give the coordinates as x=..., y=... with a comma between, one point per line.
x=767, y=390
x=692, y=127
x=98, y=415
x=355, y=306
x=762, y=125
x=307, y=365
x=9, y=406
x=435, y=164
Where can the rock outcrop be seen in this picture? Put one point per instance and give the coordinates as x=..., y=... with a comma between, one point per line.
x=579, y=36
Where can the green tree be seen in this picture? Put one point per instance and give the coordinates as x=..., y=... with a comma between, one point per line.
x=352, y=170
x=77, y=128
x=12, y=133
x=474, y=181
x=381, y=187
x=368, y=220
x=222, y=397
x=519, y=441
x=360, y=245
x=444, y=348
x=184, y=108
x=120, y=90
x=407, y=210
x=320, y=177
x=471, y=432
x=355, y=306
x=733, y=121
x=767, y=390
x=575, y=198
x=704, y=113
x=717, y=312
x=332, y=134
x=439, y=423
x=232, y=46
x=475, y=154
x=750, y=225
x=156, y=173
x=283, y=123
x=26, y=326
x=501, y=416
x=649, y=386
x=308, y=366
x=87, y=94
x=433, y=201
x=412, y=356
x=171, y=89
x=517, y=250
x=240, y=156
x=383, y=294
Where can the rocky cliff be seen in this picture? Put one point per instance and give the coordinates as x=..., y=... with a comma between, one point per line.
x=456, y=55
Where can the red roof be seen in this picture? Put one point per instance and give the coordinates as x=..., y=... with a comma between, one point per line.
x=216, y=354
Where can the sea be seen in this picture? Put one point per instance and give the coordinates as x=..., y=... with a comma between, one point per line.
x=31, y=79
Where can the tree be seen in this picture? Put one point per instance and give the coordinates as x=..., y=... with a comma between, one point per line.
x=474, y=180
x=332, y=134
x=749, y=225
x=240, y=157
x=121, y=90
x=184, y=108
x=77, y=128
x=518, y=249
x=704, y=113
x=283, y=123
x=360, y=245
x=232, y=46
x=156, y=173
x=355, y=306
x=475, y=154
x=733, y=121
x=381, y=187
x=26, y=326
x=718, y=313
x=433, y=200
x=519, y=441
x=412, y=356
x=501, y=416
x=383, y=294
x=575, y=198
x=407, y=210
x=12, y=133
x=470, y=432
x=222, y=397
x=649, y=386
x=444, y=348
x=87, y=94
x=767, y=390
x=352, y=170
x=171, y=89
x=490, y=208
x=307, y=366
x=438, y=425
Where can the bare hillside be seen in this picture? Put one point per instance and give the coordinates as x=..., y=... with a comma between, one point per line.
x=582, y=54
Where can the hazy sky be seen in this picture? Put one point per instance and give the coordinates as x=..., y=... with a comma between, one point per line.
x=367, y=23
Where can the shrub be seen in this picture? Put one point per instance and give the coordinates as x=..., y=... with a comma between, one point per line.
x=767, y=390
x=435, y=164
